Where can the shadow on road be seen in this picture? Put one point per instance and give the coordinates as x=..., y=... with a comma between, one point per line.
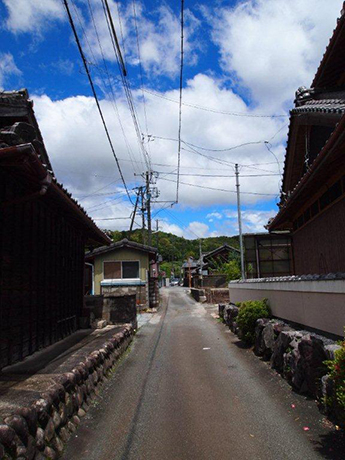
x=331, y=446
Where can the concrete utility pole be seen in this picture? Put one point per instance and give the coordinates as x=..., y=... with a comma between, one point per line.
x=200, y=262
x=189, y=274
x=135, y=211
x=239, y=220
x=157, y=235
x=148, y=207
x=142, y=214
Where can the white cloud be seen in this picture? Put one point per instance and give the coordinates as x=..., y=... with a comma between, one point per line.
x=82, y=158
x=253, y=221
x=197, y=230
x=167, y=227
x=213, y=215
x=273, y=46
x=159, y=37
x=32, y=15
x=7, y=68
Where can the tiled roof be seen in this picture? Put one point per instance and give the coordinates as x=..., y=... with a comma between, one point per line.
x=325, y=277
x=120, y=244
x=322, y=106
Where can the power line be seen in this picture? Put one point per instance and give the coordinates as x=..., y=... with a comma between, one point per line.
x=112, y=218
x=95, y=95
x=216, y=175
x=113, y=98
x=209, y=109
x=181, y=223
x=220, y=189
x=117, y=45
x=125, y=82
x=189, y=144
x=140, y=66
x=180, y=105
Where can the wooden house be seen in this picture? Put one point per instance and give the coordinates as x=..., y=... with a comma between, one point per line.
x=223, y=254
x=43, y=233
x=123, y=267
x=312, y=203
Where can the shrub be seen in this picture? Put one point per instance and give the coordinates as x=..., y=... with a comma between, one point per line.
x=337, y=374
x=249, y=313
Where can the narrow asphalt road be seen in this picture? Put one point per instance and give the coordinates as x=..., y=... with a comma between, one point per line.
x=188, y=390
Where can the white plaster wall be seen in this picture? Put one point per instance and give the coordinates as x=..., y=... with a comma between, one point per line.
x=316, y=304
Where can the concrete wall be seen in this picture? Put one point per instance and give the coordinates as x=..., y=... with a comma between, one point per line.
x=314, y=304
x=119, y=255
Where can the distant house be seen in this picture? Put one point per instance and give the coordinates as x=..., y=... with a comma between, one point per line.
x=43, y=233
x=212, y=260
x=312, y=204
x=128, y=266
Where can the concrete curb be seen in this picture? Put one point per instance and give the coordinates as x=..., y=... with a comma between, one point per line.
x=41, y=430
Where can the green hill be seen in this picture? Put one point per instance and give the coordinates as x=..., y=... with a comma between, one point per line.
x=175, y=249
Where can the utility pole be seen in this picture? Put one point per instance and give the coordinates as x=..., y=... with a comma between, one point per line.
x=157, y=235
x=200, y=262
x=134, y=212
x=189, y=274
x=239, y=220
x=142, y=214
x=148, y=207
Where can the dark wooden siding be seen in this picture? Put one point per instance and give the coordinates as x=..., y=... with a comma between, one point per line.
x=319, y=246
x=41, y=273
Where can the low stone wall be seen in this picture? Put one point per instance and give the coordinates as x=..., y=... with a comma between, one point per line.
x=120, y=309
x=210, y=281
x=198, y=294
x=214, y=295
x=210, y=295
x=115, y=307
x=316, y=302
x=297, y=355
x=40, y=431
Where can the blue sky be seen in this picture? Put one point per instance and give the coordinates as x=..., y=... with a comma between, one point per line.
x=242, y=58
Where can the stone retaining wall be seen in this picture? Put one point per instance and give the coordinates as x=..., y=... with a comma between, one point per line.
x=297, y=355
x=40, y=431
x=198, y=294
x=215, y=295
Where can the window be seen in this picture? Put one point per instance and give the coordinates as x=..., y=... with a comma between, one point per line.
x=120, y=270
x=130, y=269
x=112, y=270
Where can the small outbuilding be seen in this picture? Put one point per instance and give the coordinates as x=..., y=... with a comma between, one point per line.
x=125, y=267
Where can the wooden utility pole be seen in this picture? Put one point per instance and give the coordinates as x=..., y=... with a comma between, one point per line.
x=239, y=220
